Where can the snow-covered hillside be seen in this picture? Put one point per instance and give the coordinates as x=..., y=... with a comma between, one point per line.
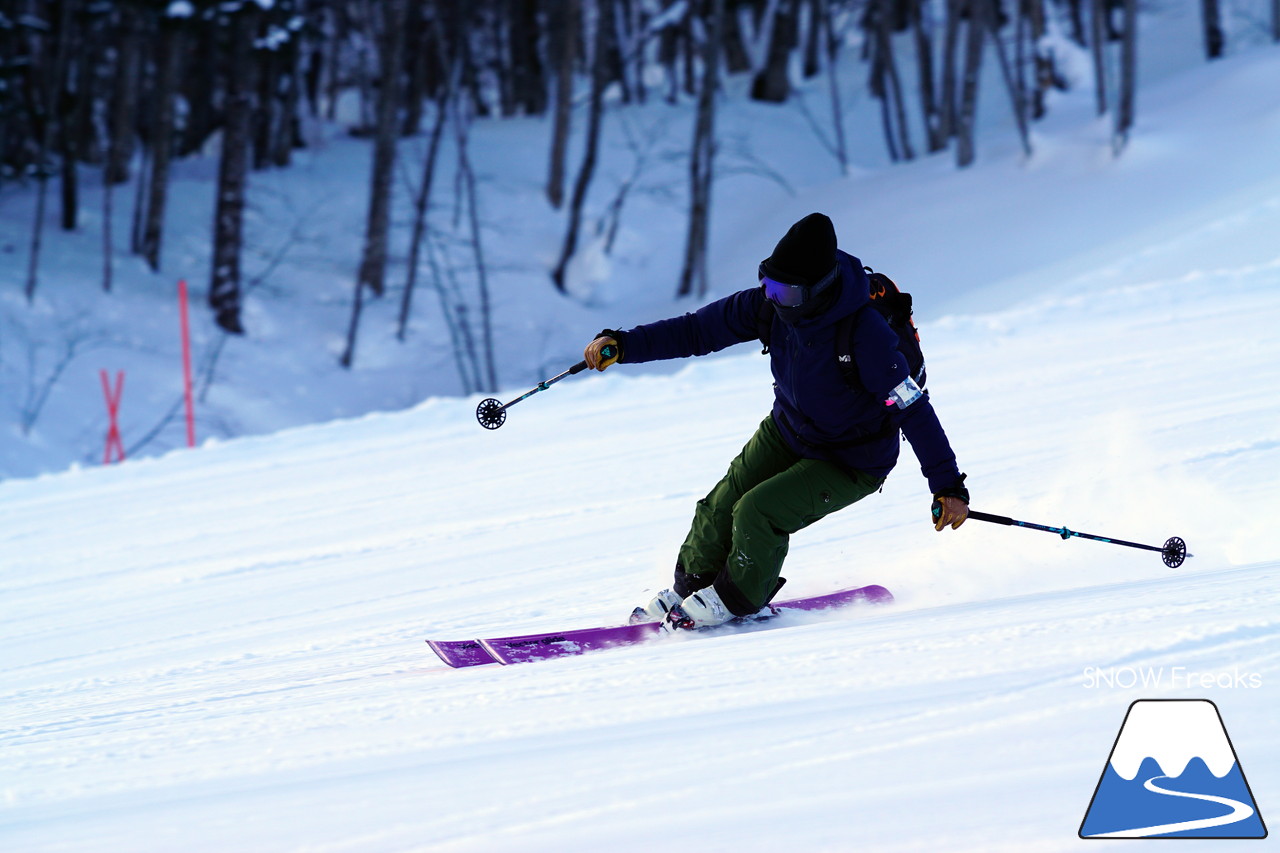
x=223, y=649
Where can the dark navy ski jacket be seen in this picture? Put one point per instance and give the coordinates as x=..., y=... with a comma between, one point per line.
x=818, y=412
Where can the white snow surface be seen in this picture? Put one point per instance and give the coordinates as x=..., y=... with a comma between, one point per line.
x=223, y=649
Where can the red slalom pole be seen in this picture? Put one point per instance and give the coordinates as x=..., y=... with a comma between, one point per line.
x=115, y=446
x=186, y=362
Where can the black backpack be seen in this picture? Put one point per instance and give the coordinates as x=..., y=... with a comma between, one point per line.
x=892, y=303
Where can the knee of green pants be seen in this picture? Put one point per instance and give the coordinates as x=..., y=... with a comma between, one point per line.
x=758, y=550
x=766, y=516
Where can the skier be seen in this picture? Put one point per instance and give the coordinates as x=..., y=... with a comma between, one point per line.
x=826, y=444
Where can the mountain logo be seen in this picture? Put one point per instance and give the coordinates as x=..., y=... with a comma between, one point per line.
x=1173, y=773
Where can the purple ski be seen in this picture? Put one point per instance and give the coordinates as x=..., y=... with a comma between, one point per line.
x=458, y=653
x=529, y=647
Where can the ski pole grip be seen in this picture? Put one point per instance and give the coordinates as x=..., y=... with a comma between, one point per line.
x=608, y=354
x=994, y=519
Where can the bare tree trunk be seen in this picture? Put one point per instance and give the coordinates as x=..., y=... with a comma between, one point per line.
x=592, y=145
x=669, y=53
x=967, y=114
x=50, y=94
x=950, y=102
x=198, y=85
x=1016, y=96
x=833, y=82
x=264, y=105
x=1215, y=40
x=362, y=19
x=124, y=103
x=422, y=202
x=1275, y=20
x=935, y=137
x=772, y=82
x=462, y=124
x=636, y=55
x=529, y=85
x=420, y=56
x=688, y=53
x=140, y=190
x=233, y=170
x=895, y=90
x=1045, y=74
x=88, y=59
x=286, y=93
x=813, y=38
x=736, y=58
x=693, y=276
x=1098, y=35
x=885, y=83
x=337, y=27
x=170, y=54
x=373, y=260
x=373, y=264
x=620, y=46
x=494, y=30
x=1076, y=13
x=70, y=116
x=108, y=227
x=565, y=41
x=1128, y=76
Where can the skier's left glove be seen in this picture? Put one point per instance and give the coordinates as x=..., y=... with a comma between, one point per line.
x=950, y=505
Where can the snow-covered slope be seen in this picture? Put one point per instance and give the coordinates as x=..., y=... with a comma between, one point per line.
x=223, y=649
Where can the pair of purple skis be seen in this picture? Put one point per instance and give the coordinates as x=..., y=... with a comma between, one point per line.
x=529, y=647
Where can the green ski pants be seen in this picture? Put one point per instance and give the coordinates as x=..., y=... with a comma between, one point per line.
x=745, y=522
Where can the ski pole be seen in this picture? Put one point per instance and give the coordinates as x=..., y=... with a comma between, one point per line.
x=492, y=413
x=1173, y=552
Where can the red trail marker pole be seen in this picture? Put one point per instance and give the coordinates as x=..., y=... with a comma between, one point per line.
x=186, y=363
x=114, y=444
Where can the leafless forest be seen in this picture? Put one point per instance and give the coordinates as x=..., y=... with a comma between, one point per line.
x=127, y=88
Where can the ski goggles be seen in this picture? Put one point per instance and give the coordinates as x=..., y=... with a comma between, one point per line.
x=793, y=295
